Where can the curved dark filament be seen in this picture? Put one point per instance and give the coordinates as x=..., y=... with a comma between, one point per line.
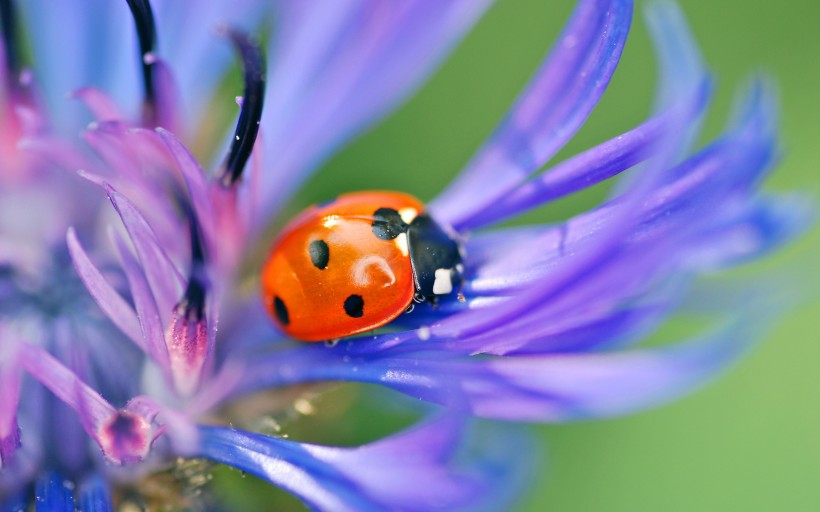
x=8, y=25
x=192, y=304
x=247, y=128
x=147, y=37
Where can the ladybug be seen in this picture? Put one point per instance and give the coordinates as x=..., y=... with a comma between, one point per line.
x=356, y=263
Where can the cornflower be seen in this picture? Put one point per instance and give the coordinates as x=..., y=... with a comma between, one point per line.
x=126, y=332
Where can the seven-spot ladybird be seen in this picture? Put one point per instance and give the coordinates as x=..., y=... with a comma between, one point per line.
x=355, y=263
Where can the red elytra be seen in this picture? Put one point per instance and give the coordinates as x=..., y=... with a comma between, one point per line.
x=342, y=267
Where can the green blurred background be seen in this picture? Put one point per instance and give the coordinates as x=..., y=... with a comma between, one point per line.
x=749, y=442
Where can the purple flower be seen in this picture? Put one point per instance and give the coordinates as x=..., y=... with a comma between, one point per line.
x=126, y=331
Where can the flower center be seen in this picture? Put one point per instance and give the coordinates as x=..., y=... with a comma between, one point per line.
x=126, y=437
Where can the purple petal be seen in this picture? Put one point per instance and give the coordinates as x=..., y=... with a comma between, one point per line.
x=58, y=151
x=605, y=293
x=193, y=175
x=10, y=389
x=147, y=312
x=550, y=110
x=368, y=477
x=53, y=493
x=124, y=435
x=683, y=80
x=594, y=253
x=9, y=441
x=751, y=231
x=136, y=163
x=188, y=341
x=552, y=388
x=112, y=304
x=585, y=324
x=65, y=384
x=167, y=283
x=249, y=324
x=336, y=70
x=107, y=138
x=100, y=104
x=576, y=387
x=216, y=389
x=583, y=170
x=602, y=328
x=223, y=213
x=607, y=253
x=167, y=95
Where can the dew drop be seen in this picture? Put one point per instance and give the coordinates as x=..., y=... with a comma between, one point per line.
x=303, y=406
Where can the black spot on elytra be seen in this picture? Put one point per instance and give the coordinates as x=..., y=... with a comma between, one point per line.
x=281, y=311
x=388, y=224
x=319, y=254
x=354, y=306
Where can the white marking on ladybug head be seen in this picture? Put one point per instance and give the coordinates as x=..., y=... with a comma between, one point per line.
x=401, y=243
x=408, y=214
x=444, y=281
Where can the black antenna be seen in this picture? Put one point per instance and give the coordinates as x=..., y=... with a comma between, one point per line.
x=147, y=37
x=247, y=128
x=192, y=304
